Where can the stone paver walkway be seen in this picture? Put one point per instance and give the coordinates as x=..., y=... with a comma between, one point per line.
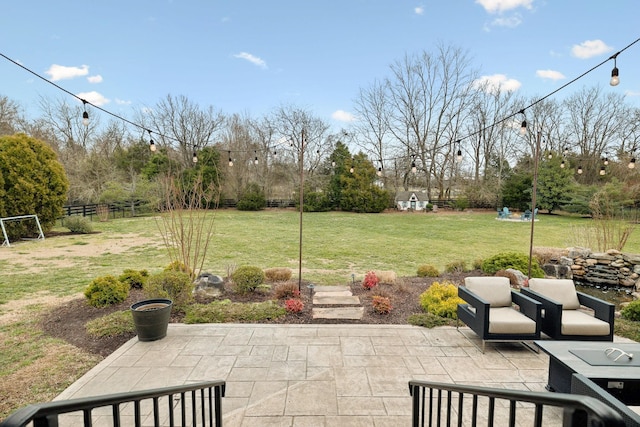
x=312, y=375
x=338, y=303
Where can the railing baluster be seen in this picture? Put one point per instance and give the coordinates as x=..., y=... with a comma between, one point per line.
x=460, y=408
x=156, y=413
x=439, y=420
x=512, y=413
x=183, y=408
x=203, y=409
x=136, y=412
x=474, y=411
x=449, y=408
x=537, y=421
x=87, y=417
x=491, y=414
x=194, y=410
x=115, y=413
x=170, y=403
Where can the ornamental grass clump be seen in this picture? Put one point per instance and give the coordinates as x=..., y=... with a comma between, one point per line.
x=441, y=299
x=174, y=285
x=370, y=280
x=427, y=270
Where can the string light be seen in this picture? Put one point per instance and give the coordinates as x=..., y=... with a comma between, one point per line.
x=615, y=79
x=632, y=163
x=195, y=157
x=379, y=173
x=523, y=125
x=255, y=161
x=459, y=153
x=152, y=145
x=562, y=164
x=85, y=115
x=602, y=171
x=230, y=161
x=580, y=170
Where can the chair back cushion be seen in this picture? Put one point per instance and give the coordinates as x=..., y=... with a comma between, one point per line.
x=562, y=291
x=495, y=290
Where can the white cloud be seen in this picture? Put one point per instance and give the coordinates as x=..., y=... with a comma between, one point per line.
x=419, y=10
x=590, y=48
x=550, y=74
x=95, y=79
x=509, y=22
x=499, y=6
x=253, y=59
x=122, y=102
x=93, y=97
x=496, y=82
x=60, y=72
x=343, y=116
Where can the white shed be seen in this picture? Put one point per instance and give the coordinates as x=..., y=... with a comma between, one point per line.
x=411, y=200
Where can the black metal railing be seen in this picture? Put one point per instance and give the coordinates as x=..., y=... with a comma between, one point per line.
x=439, y=404
x=184, y=405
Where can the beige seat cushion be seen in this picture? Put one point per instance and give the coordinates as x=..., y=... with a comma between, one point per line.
x=495, y=290
x=577, y=322
x=562, y=291
x=506, y=320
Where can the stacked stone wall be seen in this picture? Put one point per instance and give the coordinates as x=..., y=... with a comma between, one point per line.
x=611, y=269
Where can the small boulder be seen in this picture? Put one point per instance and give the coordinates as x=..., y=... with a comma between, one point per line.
x=209, y=285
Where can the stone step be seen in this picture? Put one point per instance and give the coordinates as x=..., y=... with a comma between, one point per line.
x=324, y=288
x=343, y=313
x=329, y=299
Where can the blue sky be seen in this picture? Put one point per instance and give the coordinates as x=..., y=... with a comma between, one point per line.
x=251, y=56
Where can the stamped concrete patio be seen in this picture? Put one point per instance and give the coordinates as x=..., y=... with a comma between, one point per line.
x=313, y=375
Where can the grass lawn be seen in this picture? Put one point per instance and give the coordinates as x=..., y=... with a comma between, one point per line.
x=335, y=245
x=35, y=274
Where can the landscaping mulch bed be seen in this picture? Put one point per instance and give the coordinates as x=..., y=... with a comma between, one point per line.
x=67, y=321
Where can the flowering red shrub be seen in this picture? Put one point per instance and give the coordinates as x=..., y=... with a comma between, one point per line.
x=381, y=305
x=293, y=305
x=370, y=280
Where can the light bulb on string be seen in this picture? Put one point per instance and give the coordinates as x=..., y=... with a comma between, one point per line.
x=85, y=114
x=152, y=145
x=615, y=78
x=230, y=160
x=195, y=157
x=523, y=127
x=579, y=170
x=413, y=167
x=255, y=161
x=632, y=163
x=562, y=164
x=602, y=171
x=566, y=150
x=605, y=161
x=379, y=172
x=550, y=155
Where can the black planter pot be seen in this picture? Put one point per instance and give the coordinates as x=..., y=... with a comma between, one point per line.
x=151, y=318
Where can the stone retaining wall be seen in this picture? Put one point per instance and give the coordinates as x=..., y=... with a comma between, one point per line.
x=611, y=269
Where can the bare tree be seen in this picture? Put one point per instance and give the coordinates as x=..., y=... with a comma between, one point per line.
x=593, y=124
x=9, y=116
x=427, y=98
x=184, y=125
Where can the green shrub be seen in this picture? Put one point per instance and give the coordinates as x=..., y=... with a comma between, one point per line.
x=316, y=201
x=456, y=267
x=226, y=311
x=517, y=261
x=247, y=278
x=427, y=270
x=112, y=325
x=429, y=207
x=461, y=204
x=252, y=199
x=175, y=285
x=78, y=224
x=106, y=290
x=32, y=181
x=631, y=311
x=428, y=320
x=477, y=264
x=178, y=266
x=134, y=278
x=441, y=299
